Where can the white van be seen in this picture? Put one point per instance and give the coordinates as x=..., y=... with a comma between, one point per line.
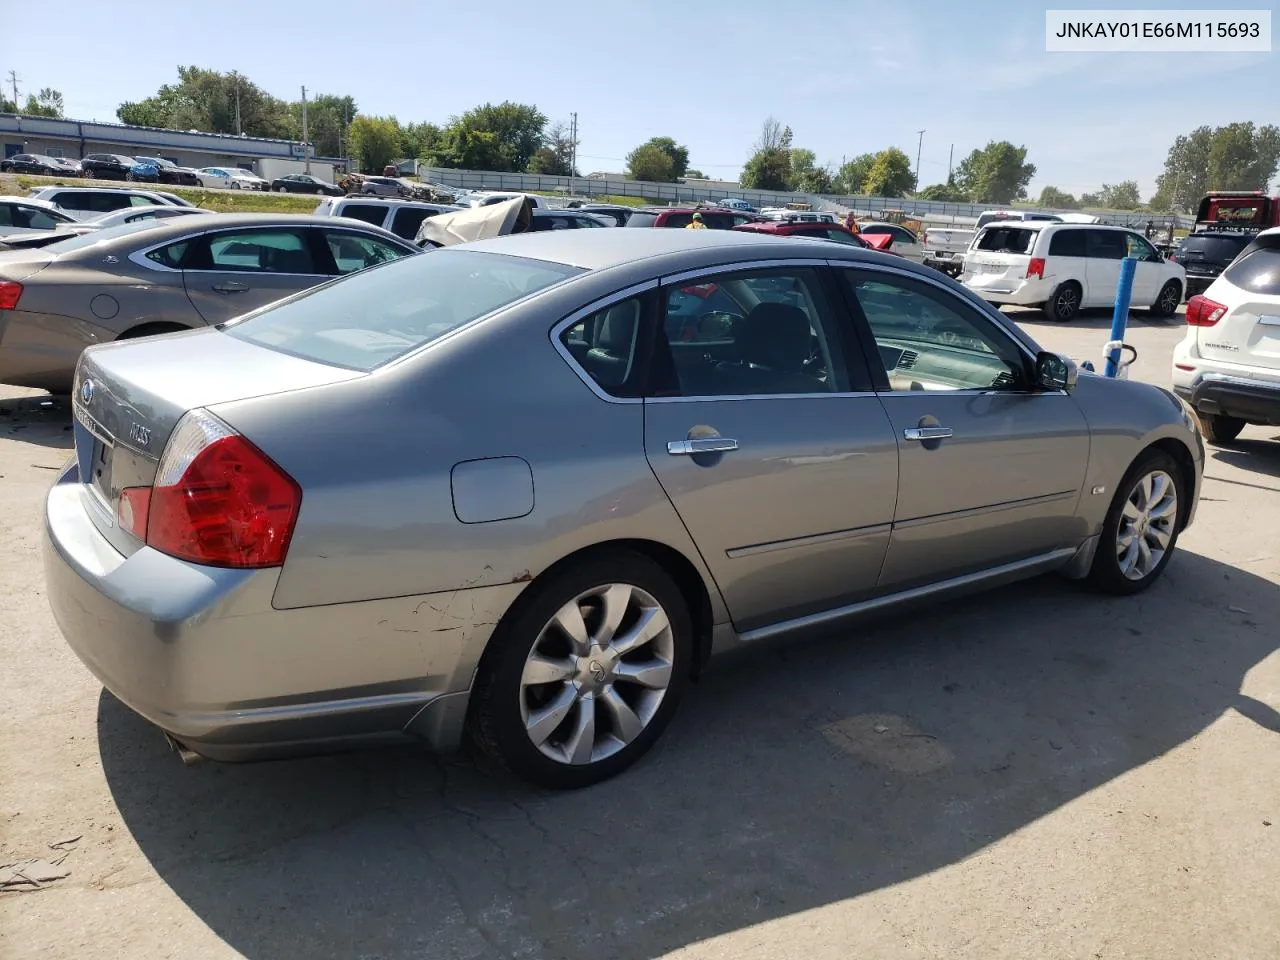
x=1066, y=267
x=401, y=217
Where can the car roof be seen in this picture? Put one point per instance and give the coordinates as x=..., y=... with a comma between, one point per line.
x=601, y=249
x=127, y=191
x=33, y=201
x=176, y=226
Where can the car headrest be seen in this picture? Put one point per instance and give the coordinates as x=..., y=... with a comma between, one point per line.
x=775, y=335
x=617, y=328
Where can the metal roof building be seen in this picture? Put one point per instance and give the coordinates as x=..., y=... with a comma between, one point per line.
x=77, y=138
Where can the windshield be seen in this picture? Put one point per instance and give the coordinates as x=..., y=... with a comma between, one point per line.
x=378, y=315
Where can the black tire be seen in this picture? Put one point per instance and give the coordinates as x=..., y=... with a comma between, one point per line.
x=235, y=185
x=151, y=330
x=281, y=190
x=87, y=174
x=1217, y=428
x=495, y=723
x=1167, y=301
x=1106, y=574
x=1064, y=303
x=319, y=193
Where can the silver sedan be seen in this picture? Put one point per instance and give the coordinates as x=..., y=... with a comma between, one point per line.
x=521, y=489
x=144, y=278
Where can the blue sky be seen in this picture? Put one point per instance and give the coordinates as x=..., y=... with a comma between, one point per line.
x=848, y=76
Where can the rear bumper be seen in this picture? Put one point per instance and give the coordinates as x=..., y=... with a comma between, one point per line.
x=201, y=653
x=1022, y=293
x=1254, y=401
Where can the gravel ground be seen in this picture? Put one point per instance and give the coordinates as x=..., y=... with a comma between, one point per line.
x=1035, y=772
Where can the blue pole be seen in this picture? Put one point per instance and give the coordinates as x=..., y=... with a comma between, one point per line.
x=1124, y=294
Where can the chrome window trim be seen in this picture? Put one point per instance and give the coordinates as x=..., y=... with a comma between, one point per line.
x=140, y=256
x=674, y=278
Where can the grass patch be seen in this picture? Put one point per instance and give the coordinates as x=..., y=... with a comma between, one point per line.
x=220, y=201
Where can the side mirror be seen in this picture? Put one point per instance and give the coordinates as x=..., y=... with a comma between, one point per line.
x=1056, y=372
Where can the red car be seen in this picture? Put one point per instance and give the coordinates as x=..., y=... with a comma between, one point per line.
x=822, y=231
x=713, y=218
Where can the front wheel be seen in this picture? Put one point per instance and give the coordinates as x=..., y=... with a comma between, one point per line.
x=87, y=174
x=1141, y=527
x=235, y=185
x=1216, y=428
x=580, y=680
x=280, y=190
x=1064, y=304
x=1166, y=304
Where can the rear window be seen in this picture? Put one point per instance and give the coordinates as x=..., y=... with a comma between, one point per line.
x=1214, y=249
x=1256, y=272
x=378, y=315
x=368, y=212
x=1007, y=240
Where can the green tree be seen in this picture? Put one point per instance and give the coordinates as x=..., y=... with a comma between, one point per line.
x=1238, y=156
x=650, y=163
x=692, y=174
x=374, y=142
x=945, y=192
x=1120, y=196
x=502, y=137
x=679, y=154
x=806, y=175
x=769, y=167
x=890, y=175
x=145, y=113
x=328, y=117
x=555, y=157
x=853, y=173
x=998, y=173
x=421, y=140
x=207, y=100
x=47, y=103
x=1057, y=199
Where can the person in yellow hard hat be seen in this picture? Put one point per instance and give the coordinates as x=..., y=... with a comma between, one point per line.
x=696, y=223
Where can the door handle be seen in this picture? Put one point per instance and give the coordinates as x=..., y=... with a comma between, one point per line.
x=927, y=433
x=230, y=286
x=687, y=448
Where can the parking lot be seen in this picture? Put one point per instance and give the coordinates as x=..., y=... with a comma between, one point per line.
x=1034, y=772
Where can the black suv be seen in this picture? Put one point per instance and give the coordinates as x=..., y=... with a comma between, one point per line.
x=106, y=166
x=1205, y=255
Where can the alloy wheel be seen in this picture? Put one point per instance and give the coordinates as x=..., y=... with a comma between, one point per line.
x=1147, y=524
x=597, y=674
x=1066, y=302
x=1169, y=299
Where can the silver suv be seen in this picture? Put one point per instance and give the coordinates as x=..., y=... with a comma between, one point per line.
x=83, y=202
x=401, y=217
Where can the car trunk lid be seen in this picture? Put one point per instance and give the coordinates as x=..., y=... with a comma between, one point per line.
x=129, y=396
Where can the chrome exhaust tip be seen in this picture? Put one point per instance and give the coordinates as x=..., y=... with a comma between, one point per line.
x=188, y=756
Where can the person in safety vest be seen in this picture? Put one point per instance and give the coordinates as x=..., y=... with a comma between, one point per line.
x=696, y=223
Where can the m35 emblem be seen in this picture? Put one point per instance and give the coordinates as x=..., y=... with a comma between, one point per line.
x=86, y=391
x=139, y=434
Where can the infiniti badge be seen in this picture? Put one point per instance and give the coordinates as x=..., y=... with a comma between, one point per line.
x=86, y=391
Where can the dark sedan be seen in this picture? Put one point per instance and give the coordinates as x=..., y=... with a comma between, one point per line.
x=106, y=166
x=160, y=170
x=29, y=163
x=305, y=183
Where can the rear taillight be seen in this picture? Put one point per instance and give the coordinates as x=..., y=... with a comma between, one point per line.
x=217, y=499
x=10, y=294
x=1035, y=268
x=1203, y=312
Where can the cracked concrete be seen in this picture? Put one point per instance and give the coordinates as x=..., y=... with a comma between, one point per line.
x=1033, y=772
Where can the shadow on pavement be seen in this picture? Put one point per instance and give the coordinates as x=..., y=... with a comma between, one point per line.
x=42, y=420
x=1257, y=456
x=793, y=777
x=1092, y=319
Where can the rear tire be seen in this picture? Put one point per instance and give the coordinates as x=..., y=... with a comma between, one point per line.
x=1141, y=527
x=1063, y=305
x=280, y=190
x=598, y=716
x=1166, y=304
x=1217, y=428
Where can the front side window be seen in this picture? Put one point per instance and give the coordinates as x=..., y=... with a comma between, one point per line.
x=256, y=251
x=1139, y=249
x=136, y=201
x=372, y=318
x=352, y=252
x=750, y=333
x=1106, y=244
x=928, y=339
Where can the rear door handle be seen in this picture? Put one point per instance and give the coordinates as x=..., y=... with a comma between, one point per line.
x=686, y=448
x=927, y=433
x=230, y=286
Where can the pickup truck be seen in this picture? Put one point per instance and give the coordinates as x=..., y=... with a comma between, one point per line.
x=944, y=248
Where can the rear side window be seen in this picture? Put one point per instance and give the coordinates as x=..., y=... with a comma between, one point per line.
x=1007, y=240
x=606, y=345
x=1067, y=243
x=1257, y=272
x=642, y=220
x=379, y=315
x=407, y=221
x=171, y=255
x=681, y=220
x=368, y=212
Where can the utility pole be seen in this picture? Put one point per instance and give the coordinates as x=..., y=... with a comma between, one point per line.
x=573, y=140
x=919, y=146
x=306, y=150
x=950, y=156
x=238, y=131
x=13, y=79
